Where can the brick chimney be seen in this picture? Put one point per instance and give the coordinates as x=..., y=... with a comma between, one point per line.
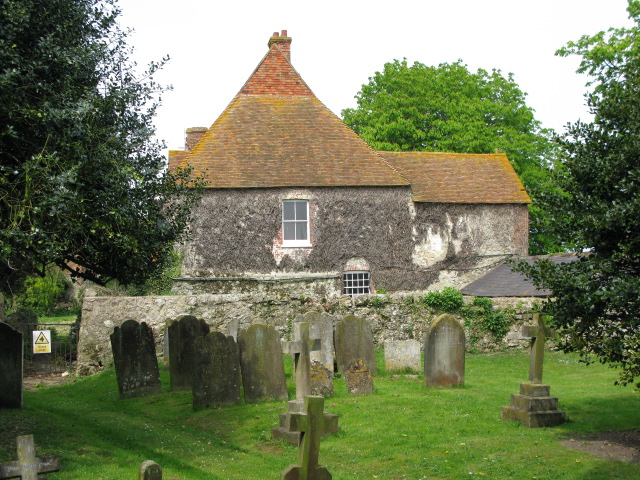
x=283, y=42
x=193, y=136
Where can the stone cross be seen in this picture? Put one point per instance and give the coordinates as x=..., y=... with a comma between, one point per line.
x=28, y=466
x=538, y=334
x=301, y=349
x=311, y=423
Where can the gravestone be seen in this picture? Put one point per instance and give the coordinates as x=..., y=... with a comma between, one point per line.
x=354, y=341
x=444, y=353
x=321, y=380
x=11, y=358
x=216, y=371
x=320, y=326
x=401, y=355
x=150, y=470
x=358, y=378
x=301, y=349
x=310, y=423
x=182, y=333
x=261, y=364
x=28, y=466
x=533, y=406
x=135, y=361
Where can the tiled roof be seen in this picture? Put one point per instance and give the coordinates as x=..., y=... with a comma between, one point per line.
x=459, y=177
x=503, y=282
x=276, y=133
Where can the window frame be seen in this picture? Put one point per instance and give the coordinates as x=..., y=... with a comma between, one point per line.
x=295, y=243
x=348, y=287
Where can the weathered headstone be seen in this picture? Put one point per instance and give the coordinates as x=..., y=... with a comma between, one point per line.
x=11, y=355
x=321, y=380
x=261, y=364
x=358, y=378
x=301, y=349
x=444, y=353
x=400, y=355
x=320, y=326
x=150, y=470
x=182, y=333
x=533, y=406
x=216, y=371
x=354, y=341
x=135, y=361
x=28, y=466
x=311, y=423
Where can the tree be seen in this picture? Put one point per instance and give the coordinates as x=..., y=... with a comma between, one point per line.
x=448, y=108
x=82, y=181
x=595, y=300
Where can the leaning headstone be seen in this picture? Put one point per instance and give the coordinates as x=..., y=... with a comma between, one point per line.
x=444, y=353
x=321, y=380
x=354, y=341
x=401, y=355
x=28, y=466
x=11, y=355
x=301, y=349
x=150, y=470
x=311, y=422
x=261, y=364
x=358, y=378
x=135, y=361
x=320, y=326
x=533, y=406
x=182, y=333
x=216, y=371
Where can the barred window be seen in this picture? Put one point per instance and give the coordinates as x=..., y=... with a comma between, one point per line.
x=356, y=283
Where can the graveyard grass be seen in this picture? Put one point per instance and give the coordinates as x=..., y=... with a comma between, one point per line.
x=403, y=431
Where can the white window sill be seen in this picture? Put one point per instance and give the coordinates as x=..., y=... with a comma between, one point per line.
x=296, y=245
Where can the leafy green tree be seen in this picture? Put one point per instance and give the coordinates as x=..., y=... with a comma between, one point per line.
x=596, y=298
x=448, y=108
x=82, y=181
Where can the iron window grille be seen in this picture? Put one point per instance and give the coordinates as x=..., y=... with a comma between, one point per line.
x=356, y=283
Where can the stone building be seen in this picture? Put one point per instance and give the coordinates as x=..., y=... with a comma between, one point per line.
x=298, y=203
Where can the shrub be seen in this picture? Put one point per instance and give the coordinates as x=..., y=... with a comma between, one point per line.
x=448, y=300
x=42, y=293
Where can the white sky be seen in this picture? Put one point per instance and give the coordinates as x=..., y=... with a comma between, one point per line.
x=338, y=44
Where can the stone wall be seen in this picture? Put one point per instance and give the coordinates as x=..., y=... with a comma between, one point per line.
x=236, y=244
x=392, y=317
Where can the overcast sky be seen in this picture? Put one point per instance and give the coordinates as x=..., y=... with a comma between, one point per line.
x=338, y=44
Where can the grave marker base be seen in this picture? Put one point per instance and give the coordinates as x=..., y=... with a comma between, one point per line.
x=533, y=407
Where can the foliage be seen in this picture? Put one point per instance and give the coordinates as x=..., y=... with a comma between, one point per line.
x=82, y=182
x=448, y=108
x=481, y=317
x=448, y=300
x=596, y=298
x=161, y=281
x=441, y=433
x=42, y=293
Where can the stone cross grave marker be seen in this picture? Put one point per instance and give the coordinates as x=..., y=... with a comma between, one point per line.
x=538, y=334
x=354, y=341
x=28, y=466
x=444, y=346
x=311, y=424
x=261, y=364
x=182, y=333
x=216, y=371
x=11, y=358
x=150, y=470
x=301, y=350
x=320, y=326
x=135, y=361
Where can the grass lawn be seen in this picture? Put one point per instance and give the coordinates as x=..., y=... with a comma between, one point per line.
x=403, y=431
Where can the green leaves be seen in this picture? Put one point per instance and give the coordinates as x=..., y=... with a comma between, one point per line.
x=448, y=108
x=596, y=299
x=82, y=182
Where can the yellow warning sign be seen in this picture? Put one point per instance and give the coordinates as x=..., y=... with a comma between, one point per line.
x=42, y=341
